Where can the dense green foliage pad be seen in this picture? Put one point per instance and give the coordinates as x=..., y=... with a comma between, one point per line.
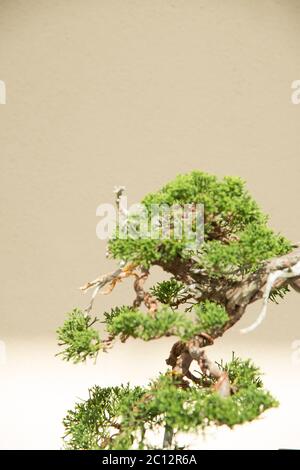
x=133, y=412
x=236, y=235
x=81, y=340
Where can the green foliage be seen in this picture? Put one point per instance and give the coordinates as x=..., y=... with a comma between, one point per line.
x=147, y=252
x=226, y=199
x=209, y=316
x=114, y=312
x=89, y=425
x=278, y=293
x=242, y=373
x=256, y=244
x=80, y=340
x=137, y=324
x=162, y=403
x=168, y=292
x=236, y=232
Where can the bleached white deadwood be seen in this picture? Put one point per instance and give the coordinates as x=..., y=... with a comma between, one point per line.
x=109, y=279
x=118, y=191
x=283, y=274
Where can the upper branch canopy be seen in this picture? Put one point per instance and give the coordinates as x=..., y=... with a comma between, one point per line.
x=239, y=261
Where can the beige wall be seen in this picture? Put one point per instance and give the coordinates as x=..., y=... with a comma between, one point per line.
x=106, y=92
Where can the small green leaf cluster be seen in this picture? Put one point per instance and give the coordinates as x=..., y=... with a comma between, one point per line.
x=78, y=337
x=136, y=410
x=242, y=373
x=114, y=312
x=209, y=317
x=278, y=293
x=168, y=292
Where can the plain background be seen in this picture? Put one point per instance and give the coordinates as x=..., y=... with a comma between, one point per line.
x=108, y=92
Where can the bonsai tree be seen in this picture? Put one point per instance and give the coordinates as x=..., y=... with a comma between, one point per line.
x=212, y=279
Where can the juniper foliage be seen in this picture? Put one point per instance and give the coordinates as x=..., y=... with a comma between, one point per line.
x=133, y=412
x=236, y=233
x=78, y=338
